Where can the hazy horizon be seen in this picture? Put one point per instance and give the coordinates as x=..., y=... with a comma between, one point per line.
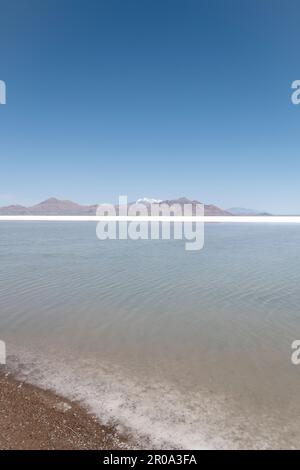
x=49, y=198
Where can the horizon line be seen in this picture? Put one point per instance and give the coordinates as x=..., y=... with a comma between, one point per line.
x=141, y=218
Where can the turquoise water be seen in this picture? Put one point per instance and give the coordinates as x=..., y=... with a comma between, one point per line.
x=180, y=349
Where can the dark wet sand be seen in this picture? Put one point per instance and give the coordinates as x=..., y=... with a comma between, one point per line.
x=31, y=418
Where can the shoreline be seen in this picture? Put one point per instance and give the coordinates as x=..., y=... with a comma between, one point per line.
x=35, y=419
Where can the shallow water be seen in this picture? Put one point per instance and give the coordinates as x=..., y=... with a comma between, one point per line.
x=183, y=349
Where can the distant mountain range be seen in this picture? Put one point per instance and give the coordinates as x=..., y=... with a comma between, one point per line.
x=243, y=211
x=53, y=206
x=209, y=209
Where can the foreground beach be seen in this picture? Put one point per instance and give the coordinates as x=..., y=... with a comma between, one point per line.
x=31, y=418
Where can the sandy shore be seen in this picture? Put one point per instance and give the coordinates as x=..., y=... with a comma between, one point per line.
x=31, y=418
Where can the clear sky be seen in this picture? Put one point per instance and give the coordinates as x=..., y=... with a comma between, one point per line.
x=157, y=98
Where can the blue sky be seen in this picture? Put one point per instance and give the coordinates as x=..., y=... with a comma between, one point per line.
x=150, y=98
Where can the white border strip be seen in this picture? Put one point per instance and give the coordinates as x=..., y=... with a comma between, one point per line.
x=117, y=218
